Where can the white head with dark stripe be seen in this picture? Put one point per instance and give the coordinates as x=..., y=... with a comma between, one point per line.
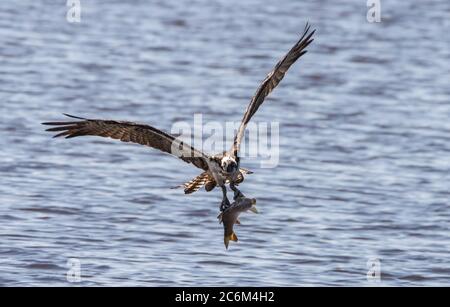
x=228, y=164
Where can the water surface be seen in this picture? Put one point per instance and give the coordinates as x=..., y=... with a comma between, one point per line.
x=364, y=154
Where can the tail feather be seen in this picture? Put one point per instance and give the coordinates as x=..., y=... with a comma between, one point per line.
x=245, y=171
x=204, y=179
x=196, y=183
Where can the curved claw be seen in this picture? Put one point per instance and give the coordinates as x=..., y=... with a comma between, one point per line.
x=237, y=194
x=225, y=204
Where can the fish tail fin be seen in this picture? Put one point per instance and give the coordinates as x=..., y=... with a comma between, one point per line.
x=229, y=238
x=234, y=237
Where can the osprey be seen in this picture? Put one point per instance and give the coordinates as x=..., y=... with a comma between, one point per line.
x=218, y=170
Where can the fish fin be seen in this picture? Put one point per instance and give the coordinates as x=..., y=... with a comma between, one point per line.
x=238, y=222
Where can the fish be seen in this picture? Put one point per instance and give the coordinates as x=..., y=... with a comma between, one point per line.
x=230, y=216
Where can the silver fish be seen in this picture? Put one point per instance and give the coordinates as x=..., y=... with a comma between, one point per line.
x=230, y=217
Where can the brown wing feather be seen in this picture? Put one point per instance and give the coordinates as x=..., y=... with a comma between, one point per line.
x=270, y=82
x=130, y=132
x=205, y=179
x=196, y=183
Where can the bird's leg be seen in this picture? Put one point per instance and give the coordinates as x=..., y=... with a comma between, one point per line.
x=225, y=202
x=236, y=191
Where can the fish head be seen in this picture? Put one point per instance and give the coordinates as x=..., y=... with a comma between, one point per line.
x=243, y=204
x=230, y=216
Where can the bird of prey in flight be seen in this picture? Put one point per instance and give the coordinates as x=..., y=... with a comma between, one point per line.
x=218, y=170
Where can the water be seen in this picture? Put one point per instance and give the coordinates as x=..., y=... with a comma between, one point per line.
x=365, y=143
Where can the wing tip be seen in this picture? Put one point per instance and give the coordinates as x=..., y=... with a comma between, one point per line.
x=64, y=123
x=71, y=136
x=73, y=116
x=305, y=39
x=308, y=27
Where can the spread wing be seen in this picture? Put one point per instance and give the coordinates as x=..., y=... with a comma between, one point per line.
x=130, y=132
x=270, y=82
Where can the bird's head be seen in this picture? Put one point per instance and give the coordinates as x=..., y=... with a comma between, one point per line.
x=228, y=164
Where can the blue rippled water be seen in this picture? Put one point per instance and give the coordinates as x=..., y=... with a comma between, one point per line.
x=364, y=151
